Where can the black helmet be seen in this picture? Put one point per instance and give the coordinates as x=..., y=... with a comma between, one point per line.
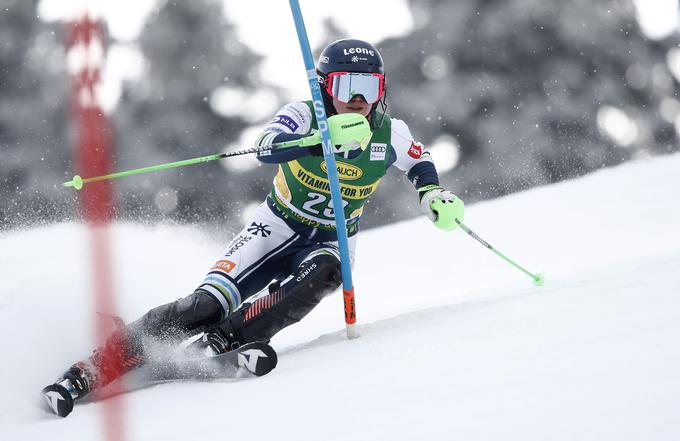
x=348, y=55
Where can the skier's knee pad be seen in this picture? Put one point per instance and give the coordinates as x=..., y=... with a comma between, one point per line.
x=317, y=276
x=194, y=312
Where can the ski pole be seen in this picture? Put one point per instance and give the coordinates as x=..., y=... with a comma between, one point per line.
x=77, y=182
x=347, y=128
x=538, y=278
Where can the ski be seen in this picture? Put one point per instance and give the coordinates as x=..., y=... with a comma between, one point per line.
x=251, y=359
x=256, y=358
x=58, y=399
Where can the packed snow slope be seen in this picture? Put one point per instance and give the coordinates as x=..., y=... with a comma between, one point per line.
x=455, y=343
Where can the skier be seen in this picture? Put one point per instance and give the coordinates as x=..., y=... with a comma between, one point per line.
x=286, y=259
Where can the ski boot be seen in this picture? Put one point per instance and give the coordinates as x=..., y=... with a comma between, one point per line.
x=119, y=355
x=214, y=342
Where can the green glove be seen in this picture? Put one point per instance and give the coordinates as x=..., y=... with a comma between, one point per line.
x=441, y=206
x=349, y=131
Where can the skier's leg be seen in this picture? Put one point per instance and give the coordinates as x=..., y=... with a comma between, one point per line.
x=265, y=245
x=262, y=316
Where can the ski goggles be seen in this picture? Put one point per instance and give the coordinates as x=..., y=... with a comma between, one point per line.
x=344, y=86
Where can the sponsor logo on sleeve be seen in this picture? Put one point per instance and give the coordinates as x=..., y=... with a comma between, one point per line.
x=378, y=151
x=224, y=265
x=259, y=229
x=301, y=116
x=416, y=150
x=237, y=243
x=285, y=121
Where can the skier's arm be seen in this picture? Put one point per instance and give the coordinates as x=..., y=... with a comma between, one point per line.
x=277, y=155
x=411, y=157
x=292, y=121
x=441, y=206
x=349, y=131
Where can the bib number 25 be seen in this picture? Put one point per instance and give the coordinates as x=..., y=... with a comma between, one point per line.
x=318, y=201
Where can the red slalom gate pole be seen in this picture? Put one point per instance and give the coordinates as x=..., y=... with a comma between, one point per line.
x=92, y=155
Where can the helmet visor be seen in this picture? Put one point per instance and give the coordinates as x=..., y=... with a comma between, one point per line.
x=344, y=86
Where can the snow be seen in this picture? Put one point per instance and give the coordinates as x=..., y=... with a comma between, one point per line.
x=455, y=343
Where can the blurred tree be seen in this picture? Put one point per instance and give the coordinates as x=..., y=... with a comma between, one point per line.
x=533, y=91
x=34, y=146
x=169, y=115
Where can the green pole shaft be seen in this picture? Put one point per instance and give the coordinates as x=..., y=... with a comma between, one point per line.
x=146, y=169
x=537, y=278
x=77, y=182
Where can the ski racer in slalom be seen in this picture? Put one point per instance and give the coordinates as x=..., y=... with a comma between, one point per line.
x=286, y=259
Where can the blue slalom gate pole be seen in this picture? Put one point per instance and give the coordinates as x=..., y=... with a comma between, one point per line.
x=333, y=180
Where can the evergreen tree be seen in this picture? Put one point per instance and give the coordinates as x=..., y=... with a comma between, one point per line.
x=520, y=84
x=190, y=50
x=34, y=146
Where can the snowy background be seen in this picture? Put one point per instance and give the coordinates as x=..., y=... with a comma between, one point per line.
x=460, y=346
x=556, y=122
x=506, y=95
